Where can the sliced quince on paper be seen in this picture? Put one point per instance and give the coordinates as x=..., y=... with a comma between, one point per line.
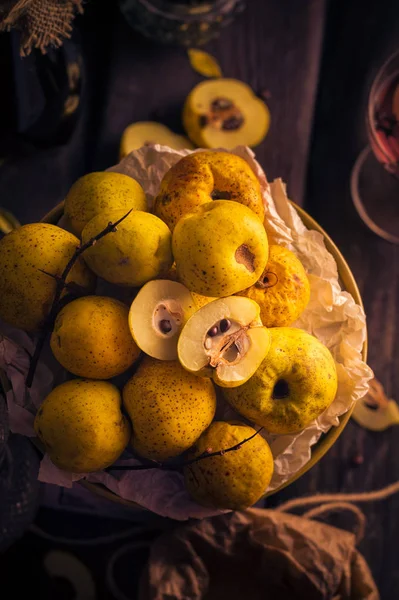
x=225, y=113
x=144, y=133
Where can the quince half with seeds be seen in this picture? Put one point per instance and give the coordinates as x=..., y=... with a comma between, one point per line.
x=224, y=340
x=157, y=316
x=225, y=113
x=144, y=133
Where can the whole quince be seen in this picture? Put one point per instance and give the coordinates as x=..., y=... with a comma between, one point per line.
x=220, y=249
x=205, y=176
x=295, y=383
x=82, y=426
x=95, y=193
x=29, y=256
x=283, y=289
x=139, y=250
x=169, y=408
x=235, y=479
x=91, y=338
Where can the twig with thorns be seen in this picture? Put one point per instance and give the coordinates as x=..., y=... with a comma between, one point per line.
x=61, y=284
x=178, y=467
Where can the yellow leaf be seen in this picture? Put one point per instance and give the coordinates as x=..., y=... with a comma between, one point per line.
x=7, y=221
x=204, y=63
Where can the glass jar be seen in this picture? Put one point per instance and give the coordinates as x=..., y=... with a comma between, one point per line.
x=184, y=22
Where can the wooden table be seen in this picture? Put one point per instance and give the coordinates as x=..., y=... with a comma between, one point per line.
x=360, y=35
x=274, y=46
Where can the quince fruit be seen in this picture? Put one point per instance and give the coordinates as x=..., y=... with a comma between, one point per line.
x=225, y=340
x=157, y=316
x=82, y=426
x=26, y=292
x=144, y=133
x=91, y=338
x=225, y=113
x=235, y=479
x=295, y=383
x=95, y=193
x=220, y=249
x=169, y=408
x=202, y=177
x=139, y=250
x=283, y=289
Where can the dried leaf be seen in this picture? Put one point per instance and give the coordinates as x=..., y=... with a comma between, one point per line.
x=204, y=63
x=7, y=221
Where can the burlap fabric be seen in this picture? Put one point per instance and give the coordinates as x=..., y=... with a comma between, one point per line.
x=42, y=23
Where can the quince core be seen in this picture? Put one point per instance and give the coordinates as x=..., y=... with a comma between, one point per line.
x=224, y=340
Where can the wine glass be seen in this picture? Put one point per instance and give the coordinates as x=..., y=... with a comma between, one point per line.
x=375, y=175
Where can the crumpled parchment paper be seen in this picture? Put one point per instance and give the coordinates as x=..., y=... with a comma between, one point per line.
x=256, y=554
x=332, y=315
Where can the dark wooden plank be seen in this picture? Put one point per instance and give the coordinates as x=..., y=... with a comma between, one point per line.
x=360, y=35
x=271, y=46
x=127, y=78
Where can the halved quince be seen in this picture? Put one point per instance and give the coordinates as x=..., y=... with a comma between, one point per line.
x=157, y=316
x=224, y=340
x=144, y=133
x=225, y=113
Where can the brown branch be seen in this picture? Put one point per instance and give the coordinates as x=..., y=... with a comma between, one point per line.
x=178, y=467
x=61, y=283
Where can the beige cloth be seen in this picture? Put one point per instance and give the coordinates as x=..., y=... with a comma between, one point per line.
x=42, y=22
x=257, y=554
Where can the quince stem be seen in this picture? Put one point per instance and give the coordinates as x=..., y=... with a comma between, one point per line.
x=178, y=467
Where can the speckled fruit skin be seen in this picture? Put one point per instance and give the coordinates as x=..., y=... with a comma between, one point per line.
x=200, y=300
x=91, y=338
x=169, y=408
x=236, y=479
x=82, y=426
x=309, y=370
x=205, y=176
x=95, y=193
x=205, y=242
x=26, y=293
x=138, y=251
x=282, y=303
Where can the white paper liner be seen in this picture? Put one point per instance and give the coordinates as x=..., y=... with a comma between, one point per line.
x=332, y=316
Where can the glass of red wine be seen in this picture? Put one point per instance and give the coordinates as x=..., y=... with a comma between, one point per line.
x=375, y=176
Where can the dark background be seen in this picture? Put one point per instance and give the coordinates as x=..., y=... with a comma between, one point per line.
x=317, y=60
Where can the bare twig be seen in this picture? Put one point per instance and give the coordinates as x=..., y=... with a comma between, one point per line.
x=178, y=467
x=61, y=283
